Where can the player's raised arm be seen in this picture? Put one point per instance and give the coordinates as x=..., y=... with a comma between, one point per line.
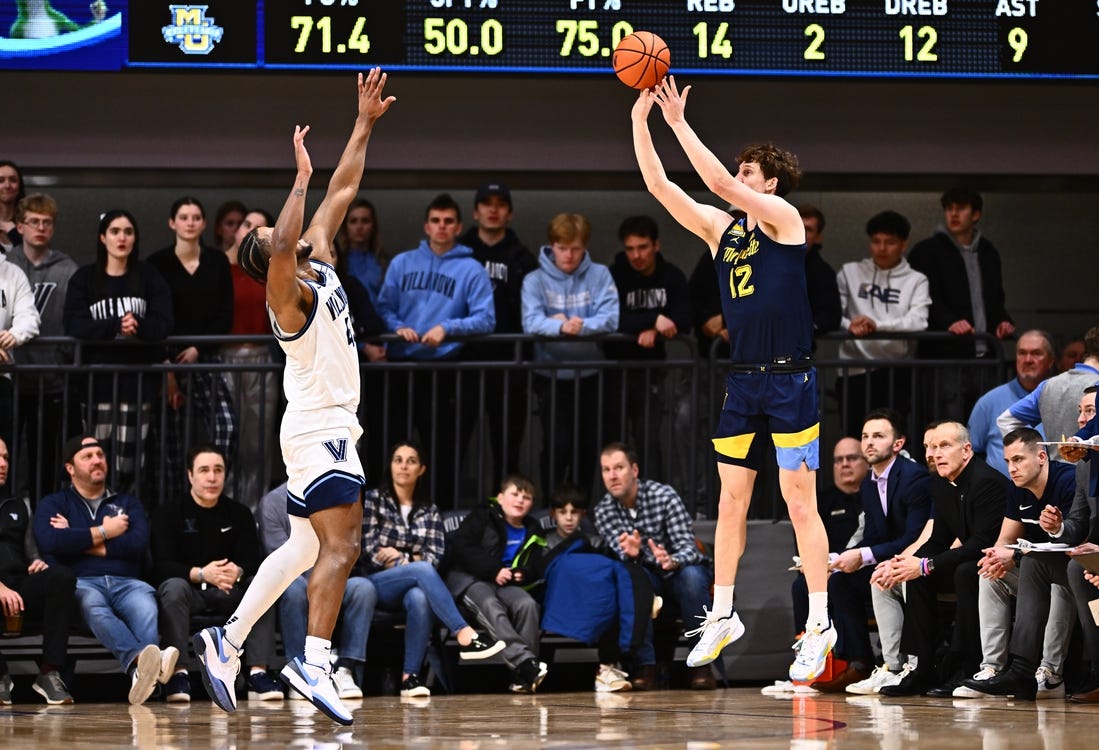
x=782, y=218
x=284, y=291
x=344, y=184
x=707, y=222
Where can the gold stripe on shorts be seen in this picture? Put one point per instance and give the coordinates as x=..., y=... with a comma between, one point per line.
x=735, y=446
x=796, y=439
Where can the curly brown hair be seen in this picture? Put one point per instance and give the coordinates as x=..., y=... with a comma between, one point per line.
x=774, y=162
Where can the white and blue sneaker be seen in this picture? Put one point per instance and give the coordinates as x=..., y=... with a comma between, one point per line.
x=714, y=635
x=812, y=651
x=318, y=687
x=220, y=665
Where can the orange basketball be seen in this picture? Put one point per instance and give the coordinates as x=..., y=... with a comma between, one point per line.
x=641, y=60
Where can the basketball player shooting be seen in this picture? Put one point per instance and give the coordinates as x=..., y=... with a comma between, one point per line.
x=772, y=386
x=310, y=318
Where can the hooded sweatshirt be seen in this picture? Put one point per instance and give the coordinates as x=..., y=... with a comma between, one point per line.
x=643, y=298
x=17, y=311
x=588, y=293
x=49, y=282
x=422, y=290
x=896, y=299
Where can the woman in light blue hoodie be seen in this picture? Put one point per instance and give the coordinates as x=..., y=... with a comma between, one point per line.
x=569, y=296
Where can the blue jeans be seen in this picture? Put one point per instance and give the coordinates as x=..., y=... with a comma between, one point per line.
x=690, y=588
x=356, y=612
x=418, y=589
x=121, y=613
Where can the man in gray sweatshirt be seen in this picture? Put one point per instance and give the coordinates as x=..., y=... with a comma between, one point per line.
x=46, y=417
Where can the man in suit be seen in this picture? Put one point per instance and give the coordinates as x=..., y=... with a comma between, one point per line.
x=968, y=498
x=896, y=503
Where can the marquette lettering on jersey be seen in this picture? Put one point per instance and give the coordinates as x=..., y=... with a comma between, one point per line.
x=763, y=296
x=338, y=449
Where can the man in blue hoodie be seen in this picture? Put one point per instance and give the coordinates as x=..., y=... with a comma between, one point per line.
x=430, y=293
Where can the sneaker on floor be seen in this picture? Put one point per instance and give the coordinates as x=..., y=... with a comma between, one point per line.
x=168, y=658
x=611, y=679
x=346, y=687
x=812, y=654
x=6, y=687
x=220, y=666
x=1009, y=683
x=479, y=648
x=529, y=675
x=263, y=687
x=318, y=687
x=51, y=687
x=146, y=670
x=178, y=688
x=714, y=635
x=878, y=679
x=964, y=691
x=1050, y=684
x=411, y=687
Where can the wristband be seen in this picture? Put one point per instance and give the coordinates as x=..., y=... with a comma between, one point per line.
x=103, y=533
x=201, y=576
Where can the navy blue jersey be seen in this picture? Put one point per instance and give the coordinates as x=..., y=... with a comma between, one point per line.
x=763, y=296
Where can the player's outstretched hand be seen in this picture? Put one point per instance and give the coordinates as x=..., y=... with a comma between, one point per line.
x=301, y=156
x=371, y=104
x=642, y=106
x=672, y=102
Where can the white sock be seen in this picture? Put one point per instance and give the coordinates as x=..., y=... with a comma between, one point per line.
x=723, y=602
x=276, y=572
x=818, y=611
x=318, y=652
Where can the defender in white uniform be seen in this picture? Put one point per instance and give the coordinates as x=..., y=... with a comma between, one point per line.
x=310, y=315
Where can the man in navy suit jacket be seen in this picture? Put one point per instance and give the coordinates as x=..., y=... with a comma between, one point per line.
x=896, y=503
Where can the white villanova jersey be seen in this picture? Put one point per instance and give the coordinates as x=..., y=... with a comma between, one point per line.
x=322, y=363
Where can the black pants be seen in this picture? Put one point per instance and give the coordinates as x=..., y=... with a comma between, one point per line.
x=178, y=599
x=49, y=605
x=920, y=635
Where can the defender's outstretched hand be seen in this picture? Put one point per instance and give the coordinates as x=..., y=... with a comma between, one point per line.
x=371, y=104
x=672, y=102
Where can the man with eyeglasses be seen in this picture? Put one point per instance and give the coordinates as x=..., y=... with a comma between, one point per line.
x=48, y=272
x=840, y=508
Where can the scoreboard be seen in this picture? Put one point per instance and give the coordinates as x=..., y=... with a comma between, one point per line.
x=1013, y=39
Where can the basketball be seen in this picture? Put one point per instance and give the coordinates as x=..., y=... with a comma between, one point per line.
x=641, y=60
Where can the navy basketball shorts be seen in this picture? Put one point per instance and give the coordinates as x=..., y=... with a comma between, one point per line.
x=784, y=405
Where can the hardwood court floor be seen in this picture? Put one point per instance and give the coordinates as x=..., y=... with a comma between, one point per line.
x=737, y=717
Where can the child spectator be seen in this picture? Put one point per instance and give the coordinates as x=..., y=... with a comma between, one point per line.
x=590, y=596
x=486, y=574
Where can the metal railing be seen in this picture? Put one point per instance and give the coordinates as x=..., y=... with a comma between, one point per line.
x=476, y=420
